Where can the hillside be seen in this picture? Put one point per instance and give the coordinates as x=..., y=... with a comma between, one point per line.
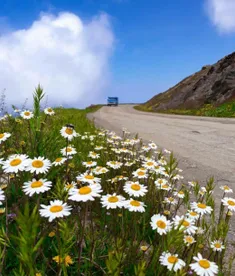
x=213, y=84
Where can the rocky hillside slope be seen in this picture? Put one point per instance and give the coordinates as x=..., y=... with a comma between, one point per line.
x=213, y=84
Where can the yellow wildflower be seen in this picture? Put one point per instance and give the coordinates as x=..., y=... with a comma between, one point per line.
x=51, y=234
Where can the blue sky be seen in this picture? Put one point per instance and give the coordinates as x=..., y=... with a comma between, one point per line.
x=156, y=43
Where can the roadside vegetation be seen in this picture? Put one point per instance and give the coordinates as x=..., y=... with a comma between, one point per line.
x=224, y=110
x=76, y=200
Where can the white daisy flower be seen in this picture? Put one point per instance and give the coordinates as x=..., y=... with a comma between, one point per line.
x=200, y=231
x=162, y=162
x=149, y=164
x=38, y=165
x=192, y=183
x=135, y=189
x=170, y=200
x=177, y=177
x=56, y=209
x=140, y=173
x=185, y=224
x=100, y=170
x=93, y=155
x=229, y=202
x=68, y=133
x=26, y=114
x=112, y=201
x=124, y=150
x=116, y=137
x=49, y=111
x=70, y=186
x=4, y=136
x=226, y=189
x=68, y=151
x=193, y=215
x=2, y=196
x=159, y=169
x=85, y=193
x=134, y=205
x=59, y=161
x=217, y=246
x=152, y=146
x=89, y=164
x=171, y=261
x=36, y=186
x=129, y=163
x=179, y=194
x=88, y=178
x=15, y=163
x=204, y=267
x=160, y=182
x=114, y=164
x=99, y=148
x=188, y=240
x=160, y=223
x=201, y=208
x=146, y=148
x=167, y=151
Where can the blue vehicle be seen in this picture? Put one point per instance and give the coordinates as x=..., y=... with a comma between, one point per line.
x=112, y=101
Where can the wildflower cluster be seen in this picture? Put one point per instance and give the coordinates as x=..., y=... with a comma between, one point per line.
x=81, y=200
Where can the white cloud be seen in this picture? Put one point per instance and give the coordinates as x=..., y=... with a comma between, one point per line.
x=67, y=56
x=221, y=13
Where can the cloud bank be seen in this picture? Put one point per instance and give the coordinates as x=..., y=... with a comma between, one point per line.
x=221, y=13
x=67, y=56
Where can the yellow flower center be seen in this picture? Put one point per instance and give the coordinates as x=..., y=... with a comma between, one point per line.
x=69, y=131
x=226, y=188
x=204, y=263
x=160, y=181
x=181, y=192
x=217, y=245
x=58, y=159
x=89, y=162
x=185, y=223
x=150, y=163
x=37, y=164
x=142, y=169
x=165, y=186
x=171, y=199
x=201, y=206
x=56, y=208
x=84, y=190
x=49, y=110
x=113, y=162
x=68, y=149
x=161, y=224
x=141, y=173
x=143, y=247
x=2, y=135
x=189, y=239
x=113, y=199
x=231, y=202
x=27, y=113
x=172, y=259
x=135, y=187
x=37, y=184
x=15, y=162
x=89, y=176
x=135, y=203
x=193, y=214
x=157, y=167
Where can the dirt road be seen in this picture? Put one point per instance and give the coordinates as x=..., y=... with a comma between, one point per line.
x=204, y=146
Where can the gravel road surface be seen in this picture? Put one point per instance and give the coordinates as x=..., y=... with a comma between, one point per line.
x=204, y=146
